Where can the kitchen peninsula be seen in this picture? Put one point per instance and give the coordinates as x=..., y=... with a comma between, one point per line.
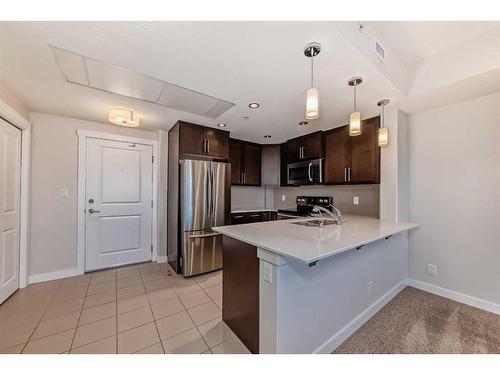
x=292, y=288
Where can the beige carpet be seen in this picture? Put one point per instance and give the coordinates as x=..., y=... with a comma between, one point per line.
x=420, y=322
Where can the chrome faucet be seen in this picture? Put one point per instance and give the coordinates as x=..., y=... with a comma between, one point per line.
x=337, y=216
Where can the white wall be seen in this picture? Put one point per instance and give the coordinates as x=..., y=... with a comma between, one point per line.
x=454, y=192
x=10, y=99
x=54, y=160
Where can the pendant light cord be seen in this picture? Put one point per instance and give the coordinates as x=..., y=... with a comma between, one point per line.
x=355, y=104
x=312, y=72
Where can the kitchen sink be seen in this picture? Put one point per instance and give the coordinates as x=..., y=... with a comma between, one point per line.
x=314, y=223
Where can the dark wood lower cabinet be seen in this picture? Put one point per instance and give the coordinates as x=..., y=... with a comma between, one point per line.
x=252, y=217
x=240, y=291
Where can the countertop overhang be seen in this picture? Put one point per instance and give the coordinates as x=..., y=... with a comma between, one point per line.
x=311, y=244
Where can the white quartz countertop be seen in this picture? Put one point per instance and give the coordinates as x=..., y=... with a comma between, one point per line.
x=243, y=210
x=310, y=244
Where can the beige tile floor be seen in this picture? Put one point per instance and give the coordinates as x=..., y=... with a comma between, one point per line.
x=136, y=309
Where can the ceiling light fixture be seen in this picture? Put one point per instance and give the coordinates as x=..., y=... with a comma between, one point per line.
x=221, y=125
x=355, y=116
x=312, y=95
x=303, y=123
x=123, y=117
x=254, y=105
x=383, y=132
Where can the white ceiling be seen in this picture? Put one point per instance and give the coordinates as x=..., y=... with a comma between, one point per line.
x=414, y=40
x=240, y=62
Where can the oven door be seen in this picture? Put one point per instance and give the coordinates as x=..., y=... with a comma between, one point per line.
x=305, y=173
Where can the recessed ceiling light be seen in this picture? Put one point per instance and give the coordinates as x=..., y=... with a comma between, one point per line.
x=221, y=125
x=302, y=123
x=267, y=136
x=246, y=117
x=254, y=105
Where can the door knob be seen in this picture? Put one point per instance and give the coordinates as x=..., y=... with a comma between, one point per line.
x=91, y=211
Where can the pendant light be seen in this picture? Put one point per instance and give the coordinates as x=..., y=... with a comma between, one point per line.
x=383, y=132
x=355, y=116
x=312, y=95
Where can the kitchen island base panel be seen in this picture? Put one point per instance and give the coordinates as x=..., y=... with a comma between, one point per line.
x=240, y=291
x=314, y=309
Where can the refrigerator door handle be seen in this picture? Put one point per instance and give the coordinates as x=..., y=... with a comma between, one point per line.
x=213, y=234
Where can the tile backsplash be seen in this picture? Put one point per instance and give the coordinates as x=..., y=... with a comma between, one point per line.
x=256, y=197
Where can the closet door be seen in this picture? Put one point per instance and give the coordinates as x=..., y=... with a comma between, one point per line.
x=10, y=186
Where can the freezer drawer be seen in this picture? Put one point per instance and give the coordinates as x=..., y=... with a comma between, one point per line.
x=202, y=252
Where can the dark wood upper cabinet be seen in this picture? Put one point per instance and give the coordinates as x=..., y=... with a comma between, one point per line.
x=336, y=155
x=235, y=158
x=197, y=140
x=245, y=159
x=306, y=147
x=352, y=160
x=217, y=143
x=365, y=154
x=252, y=155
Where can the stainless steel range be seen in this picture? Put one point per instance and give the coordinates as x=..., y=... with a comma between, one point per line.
x=304, y=207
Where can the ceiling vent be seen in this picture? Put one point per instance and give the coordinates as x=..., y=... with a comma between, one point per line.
x=380, y=51
x=85, y=71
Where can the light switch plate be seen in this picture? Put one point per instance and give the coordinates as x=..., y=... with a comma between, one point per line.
x=283, y=198
x=355, y=200
x=64, y=193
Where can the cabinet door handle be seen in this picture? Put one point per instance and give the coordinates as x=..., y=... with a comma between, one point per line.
x=303, y=152
x=208, y=146
x=349, y=174
x=345, y=174
x=244, y=178
x=309, y=172
x=255, y=215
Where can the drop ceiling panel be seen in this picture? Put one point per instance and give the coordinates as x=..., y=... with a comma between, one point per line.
x=186, y=100
x=122, y=81
x=71, y=65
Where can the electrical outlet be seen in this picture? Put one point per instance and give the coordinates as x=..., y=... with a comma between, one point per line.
x=432, y=269
x=268, y=272
x=64, y=193
x=355, y=200
x=283, y=198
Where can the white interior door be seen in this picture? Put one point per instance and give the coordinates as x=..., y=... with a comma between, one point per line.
x=118, y=197
x=10, y=186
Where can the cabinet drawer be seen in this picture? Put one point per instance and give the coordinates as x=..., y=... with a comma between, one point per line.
x=252, y=217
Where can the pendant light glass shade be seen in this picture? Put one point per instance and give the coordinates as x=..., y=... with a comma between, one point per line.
x=383, y=137
x=312, y=104
x=355, y=124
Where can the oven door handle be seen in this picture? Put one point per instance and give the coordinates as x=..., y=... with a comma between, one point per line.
x=309, y=172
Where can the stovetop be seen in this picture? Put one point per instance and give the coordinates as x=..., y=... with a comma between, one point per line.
x=305, y=205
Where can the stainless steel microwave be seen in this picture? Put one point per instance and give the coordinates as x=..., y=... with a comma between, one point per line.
x=305, y=172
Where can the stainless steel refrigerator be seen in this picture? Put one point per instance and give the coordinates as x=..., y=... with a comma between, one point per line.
x=204, y=202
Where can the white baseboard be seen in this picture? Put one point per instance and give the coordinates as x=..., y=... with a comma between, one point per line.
x=161, y=259
x=47, y=276
x=331, y=344
x=456, y=296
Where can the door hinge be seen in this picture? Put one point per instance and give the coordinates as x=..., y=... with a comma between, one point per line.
x=151, y=203
x=151, y=249
x=152, y=159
